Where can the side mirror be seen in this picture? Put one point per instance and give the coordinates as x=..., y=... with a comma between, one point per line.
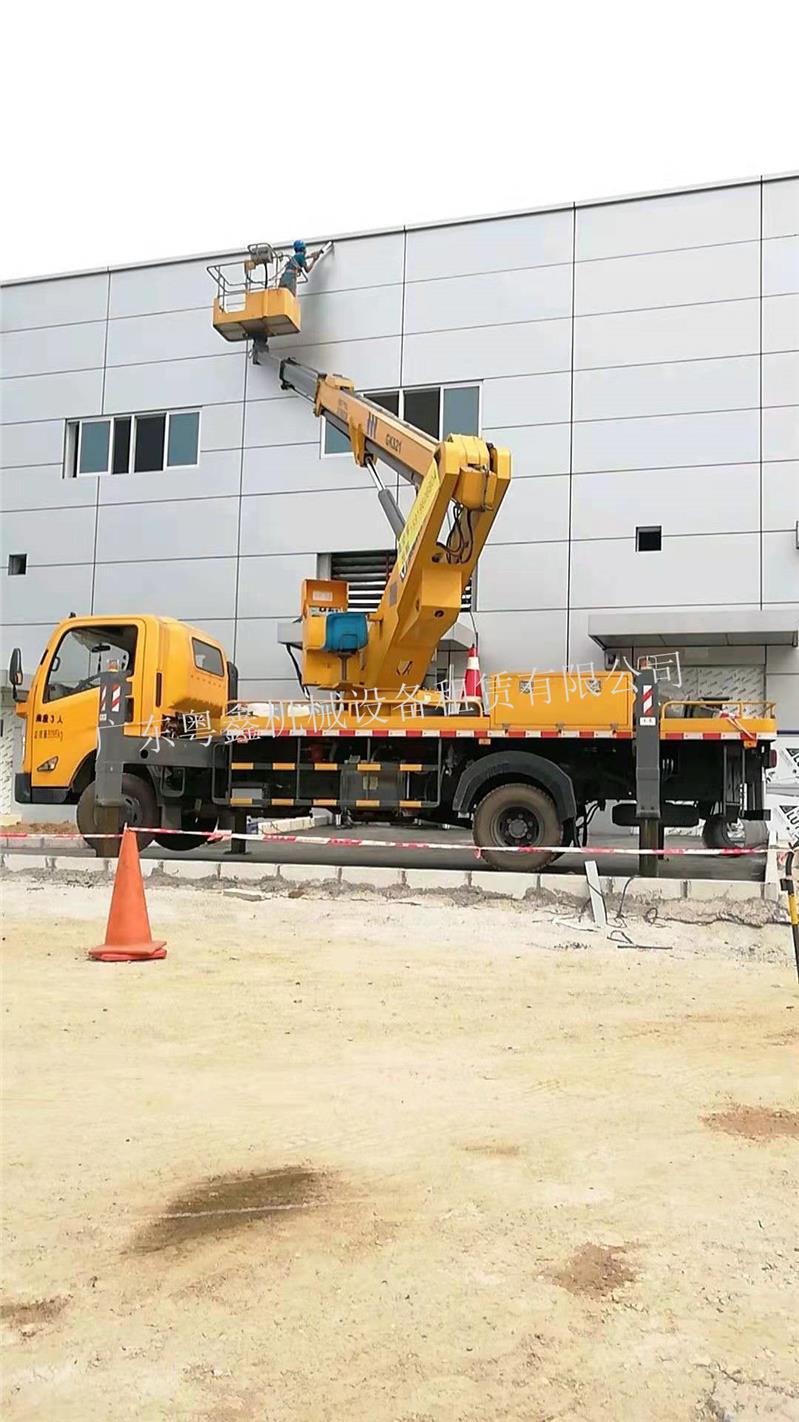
x=15, y=673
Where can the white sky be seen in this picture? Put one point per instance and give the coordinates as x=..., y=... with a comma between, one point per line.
x=152, y=128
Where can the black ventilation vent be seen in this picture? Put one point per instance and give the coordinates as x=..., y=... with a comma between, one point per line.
x=367, y=575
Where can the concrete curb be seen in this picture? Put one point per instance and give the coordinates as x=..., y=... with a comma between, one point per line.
x=480, y=883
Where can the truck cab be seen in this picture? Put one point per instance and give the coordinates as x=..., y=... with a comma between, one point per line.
x=170, y=671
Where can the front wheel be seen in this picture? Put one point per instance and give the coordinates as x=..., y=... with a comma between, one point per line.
x=138, y=808
x=513, y=818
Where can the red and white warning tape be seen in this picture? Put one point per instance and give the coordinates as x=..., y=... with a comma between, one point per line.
x=347, y=842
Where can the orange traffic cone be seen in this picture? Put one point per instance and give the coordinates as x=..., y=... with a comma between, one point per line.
x=127, y=934
x=472, y=681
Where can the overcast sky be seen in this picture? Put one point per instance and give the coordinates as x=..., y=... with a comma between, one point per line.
x=162, y=127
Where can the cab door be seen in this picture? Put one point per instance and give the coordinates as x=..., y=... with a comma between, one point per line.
x=63, y=722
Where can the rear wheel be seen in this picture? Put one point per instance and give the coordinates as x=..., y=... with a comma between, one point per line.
x=515, y=817
x=180, y=842
x=138, y=808
x=719, y=833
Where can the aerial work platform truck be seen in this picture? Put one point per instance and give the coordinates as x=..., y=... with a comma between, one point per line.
x=136, y=719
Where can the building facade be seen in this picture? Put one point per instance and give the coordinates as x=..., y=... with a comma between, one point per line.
x=639, y=357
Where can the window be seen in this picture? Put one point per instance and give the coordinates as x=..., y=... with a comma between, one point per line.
x=649, y=540
x=17, y=565
x=423, y=409
x=149, y=447
x=145, y=443
x=439, y=410
x=366, y=574
x=83, y=653
x=207, y=658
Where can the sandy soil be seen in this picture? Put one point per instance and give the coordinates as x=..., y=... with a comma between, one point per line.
x=373, y=1161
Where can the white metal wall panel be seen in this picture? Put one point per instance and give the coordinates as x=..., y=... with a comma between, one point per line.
x=288, y=420
x=781, y=433
x=186, y=528
x=526, y=400
x=32, y=442
x=780, y=266
x=681, y=220
x=44, y=487
x=314, y=522
x=781, y=323
x=217, y=475
x=48, y=537
x=521, y=576
x=54, y=303
x=723, y=438
x=781, y=208
x=725, y=328
x=51, y=397
x=723, y=499
x=680, y=387
x=442, y=357
x=40, y=597
x=533, y=511
x=166, y=385
x=46, y=350
x=521, y=641
x=711, y=571
x=498, y=244
x=781, y=379
x=781, y=495
x=271, y=586
x=488, y=300
x=222, y=426
x=195, y=589
x=780, y=567
x=668, y=278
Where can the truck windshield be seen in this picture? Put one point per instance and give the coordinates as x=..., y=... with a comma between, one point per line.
x=83, y=653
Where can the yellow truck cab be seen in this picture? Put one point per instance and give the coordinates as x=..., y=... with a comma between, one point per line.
x=173, y=671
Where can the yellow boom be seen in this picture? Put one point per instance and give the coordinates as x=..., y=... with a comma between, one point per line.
x=460, y=483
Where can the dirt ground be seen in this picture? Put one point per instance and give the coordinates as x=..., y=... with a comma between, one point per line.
x=352, y=1160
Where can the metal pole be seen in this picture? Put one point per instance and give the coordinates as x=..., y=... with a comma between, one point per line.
x=647, y=771
x=789, y=885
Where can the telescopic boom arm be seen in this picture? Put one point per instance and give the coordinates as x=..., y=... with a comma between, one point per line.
x=460, y=483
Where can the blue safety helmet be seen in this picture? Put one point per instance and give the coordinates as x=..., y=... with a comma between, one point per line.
x=299, y=245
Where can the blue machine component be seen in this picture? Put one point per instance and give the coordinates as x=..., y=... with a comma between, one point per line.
x=345, y=632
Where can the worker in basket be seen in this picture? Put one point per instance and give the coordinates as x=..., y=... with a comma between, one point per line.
x=299, y=261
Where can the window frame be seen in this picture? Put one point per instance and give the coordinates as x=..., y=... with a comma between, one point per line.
x=74, y=443
x=198, y=645
x=401, y=390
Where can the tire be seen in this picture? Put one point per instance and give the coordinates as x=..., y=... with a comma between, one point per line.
x=516, y=815
x=183, y=843
x=138, y=808
x=718, y=834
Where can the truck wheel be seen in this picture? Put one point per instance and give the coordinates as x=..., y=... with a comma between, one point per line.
x=138, y=808
x=182, y=843
x=717, y=833
x=515, y=817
